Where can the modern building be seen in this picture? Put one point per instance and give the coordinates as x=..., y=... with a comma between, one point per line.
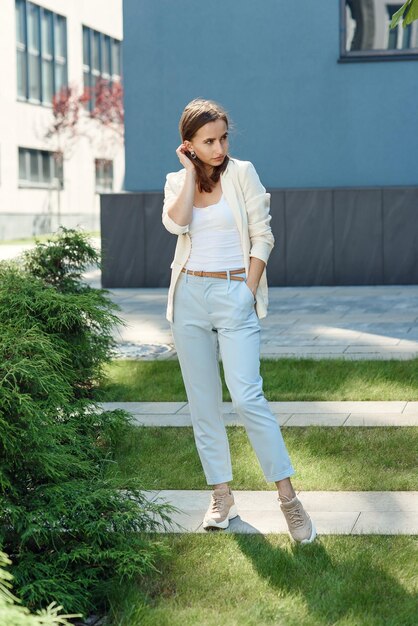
x=47, y=45
x=324, y=100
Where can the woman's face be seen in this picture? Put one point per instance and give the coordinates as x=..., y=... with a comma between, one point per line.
x=210, y=143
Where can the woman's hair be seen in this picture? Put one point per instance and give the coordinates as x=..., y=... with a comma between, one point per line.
x=196, y=114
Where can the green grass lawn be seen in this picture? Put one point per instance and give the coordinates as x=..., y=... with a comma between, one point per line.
x=284, y=379
x=256, y=580
x=337, y=458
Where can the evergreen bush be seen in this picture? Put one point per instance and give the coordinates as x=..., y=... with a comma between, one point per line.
x=13, y=614
x=70, y=531
x=84, y=324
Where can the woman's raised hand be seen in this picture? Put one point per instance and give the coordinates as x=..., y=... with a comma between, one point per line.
x=184, y=159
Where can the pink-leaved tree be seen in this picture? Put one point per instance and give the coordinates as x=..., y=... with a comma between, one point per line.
x=73, y=117
x=63, y=131
x=106, y=111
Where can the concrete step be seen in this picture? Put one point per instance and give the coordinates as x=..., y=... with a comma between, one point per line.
x=331, y=413
x=333, y=512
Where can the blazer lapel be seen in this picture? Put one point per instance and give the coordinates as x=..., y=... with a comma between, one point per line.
x=228, y=178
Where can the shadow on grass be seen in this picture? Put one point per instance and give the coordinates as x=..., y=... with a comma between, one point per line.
x=351, y=588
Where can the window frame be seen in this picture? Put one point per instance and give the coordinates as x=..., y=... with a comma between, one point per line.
x=355, y=56
x=99, y=168
x=93, y=74
x=55, y=169
x=55, y=59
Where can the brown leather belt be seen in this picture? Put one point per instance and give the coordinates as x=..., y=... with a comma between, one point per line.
x=217, y=274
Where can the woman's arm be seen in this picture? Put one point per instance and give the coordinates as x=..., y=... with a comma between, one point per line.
x=178, y=207
x=254, y=273
x=257, y=204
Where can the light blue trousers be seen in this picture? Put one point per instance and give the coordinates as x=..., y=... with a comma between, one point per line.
x=212, y=315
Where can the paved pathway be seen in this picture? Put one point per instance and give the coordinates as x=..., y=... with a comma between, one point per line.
x=349, y=413
x=378, y=322
x=348, y=322
x=334, y=512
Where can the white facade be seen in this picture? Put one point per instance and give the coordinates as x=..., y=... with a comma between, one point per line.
x=28, y=210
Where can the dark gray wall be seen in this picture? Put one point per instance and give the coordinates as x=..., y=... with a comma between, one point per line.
x=366, y=236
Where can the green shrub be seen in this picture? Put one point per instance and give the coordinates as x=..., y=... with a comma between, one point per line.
x=61, y=261
x=11, y=614
x=69, y=530
x=84, y=323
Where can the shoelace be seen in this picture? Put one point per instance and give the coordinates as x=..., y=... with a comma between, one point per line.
x=296, y=517
x=217, y=502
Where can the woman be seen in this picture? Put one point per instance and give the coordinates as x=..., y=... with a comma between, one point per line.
x=219, y=209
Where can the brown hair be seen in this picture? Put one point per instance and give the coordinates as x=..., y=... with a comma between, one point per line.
x=195, y=115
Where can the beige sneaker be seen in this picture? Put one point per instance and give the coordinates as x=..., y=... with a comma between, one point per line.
x=222, y=508
x=301, y=527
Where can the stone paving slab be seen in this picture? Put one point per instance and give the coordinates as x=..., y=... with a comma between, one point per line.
x=336, y=406
x=378, y=322
x=382, y=419
x=384, y=523
x=331, y=413
x=230, y=419
x=334, y=512
x=384, y=315
x=315, y=419
x=411, y=407
x=149, y=408
x=351, y=323
x=367, y=356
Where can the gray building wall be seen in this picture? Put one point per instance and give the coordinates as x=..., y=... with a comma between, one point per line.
x=335, y=143
x=322, y=237
x=303, y=118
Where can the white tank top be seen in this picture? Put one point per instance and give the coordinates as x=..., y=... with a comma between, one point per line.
x=216, y=242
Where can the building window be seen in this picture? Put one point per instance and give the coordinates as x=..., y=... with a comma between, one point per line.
x=366, y=34
x=41, y=49
x=101, y=59
x=104, y=175
x=40, y=168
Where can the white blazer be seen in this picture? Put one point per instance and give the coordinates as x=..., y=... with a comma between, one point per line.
x=250, y=205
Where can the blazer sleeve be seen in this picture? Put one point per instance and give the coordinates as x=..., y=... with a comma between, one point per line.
x=170, y=194
x=257, y=204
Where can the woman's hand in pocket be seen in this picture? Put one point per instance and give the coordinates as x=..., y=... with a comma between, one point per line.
x=252, y=287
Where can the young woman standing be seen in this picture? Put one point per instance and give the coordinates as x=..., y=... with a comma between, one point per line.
x=219, y=209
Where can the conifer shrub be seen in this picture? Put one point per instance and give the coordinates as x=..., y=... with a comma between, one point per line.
x=12, y=613
x=88, y=339
x=70, y=531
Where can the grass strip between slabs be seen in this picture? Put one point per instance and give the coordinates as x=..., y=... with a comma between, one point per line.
x=337, y=458
x=283, y=380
